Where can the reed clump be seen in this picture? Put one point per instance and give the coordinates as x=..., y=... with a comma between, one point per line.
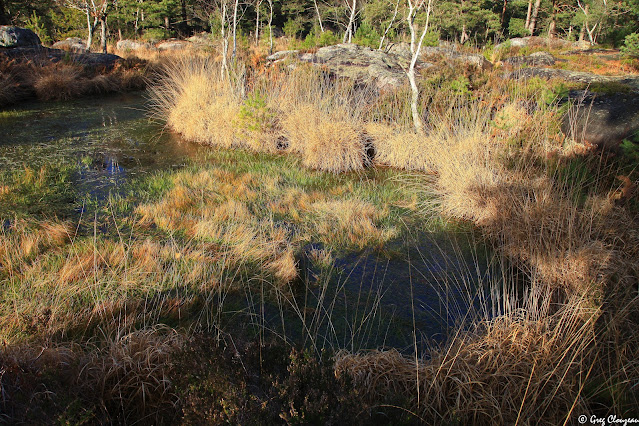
x=66, y=79
x=119, y=378
x=296, y=112
x=513, y=369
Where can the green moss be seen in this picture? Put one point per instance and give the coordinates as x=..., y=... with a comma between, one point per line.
x=45, y=192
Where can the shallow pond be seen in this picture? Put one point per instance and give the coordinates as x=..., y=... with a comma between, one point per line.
x=412, y=290
x=110, y=139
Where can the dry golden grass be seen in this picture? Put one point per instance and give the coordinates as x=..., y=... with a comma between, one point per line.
x=517, y=368
x=62, y=82
x=400, y=148
x=352, y=220
x=197, y=103
x=326, y=140
x=236, y=211
x=214, y=207
x=532, y=218
x=23, y=240
x=201, y=103
x=126, y=375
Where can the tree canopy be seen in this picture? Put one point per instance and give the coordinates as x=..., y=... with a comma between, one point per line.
x=464, y=21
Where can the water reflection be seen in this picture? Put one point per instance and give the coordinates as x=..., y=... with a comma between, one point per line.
x=109, y=139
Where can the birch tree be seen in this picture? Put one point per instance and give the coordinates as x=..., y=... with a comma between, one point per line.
x=319, y=16
x=237, y=3
x=270, y=27
x=390, y=25
x=96, y=10
x=258, y=4
x=350, y=28
x=414, y=7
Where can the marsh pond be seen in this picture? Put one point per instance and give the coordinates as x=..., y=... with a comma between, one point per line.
x=125, y=217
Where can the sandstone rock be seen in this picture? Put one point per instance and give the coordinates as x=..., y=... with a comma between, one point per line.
x=364, y=64
x=534, y=59
x=133, y=45
x=534, y=41
x=400, y=49
x=11, y=36
x=173, y=44
x=71, y=44
x=382, y=68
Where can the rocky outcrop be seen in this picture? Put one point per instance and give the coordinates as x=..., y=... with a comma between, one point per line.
x=173, y=44
x=12, y=37
x=362, y=64
x=42, y=55
x=602, y=119
x=555, y=43
x=537, y=59
x=632, y=83
x=71, y=44
x=133, y=45
x=441, y=53
x=201, y=39
x=445, y=53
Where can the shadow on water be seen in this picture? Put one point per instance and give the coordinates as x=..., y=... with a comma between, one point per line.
x=109, y=139
x=410, y=293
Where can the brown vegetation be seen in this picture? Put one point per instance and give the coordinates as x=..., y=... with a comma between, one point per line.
x=498, y=164
x=66, y=80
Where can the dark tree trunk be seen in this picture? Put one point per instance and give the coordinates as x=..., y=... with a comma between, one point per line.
x=184, y=26
x=553, y=21
x=4, y=18
x=503, y=12
x=533, y=17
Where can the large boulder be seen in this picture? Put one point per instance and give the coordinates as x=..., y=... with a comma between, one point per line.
x=133, y=45
x=602, y=119
x=362, y=64
x=537, y=59
x=71, y=44
x=11, y=36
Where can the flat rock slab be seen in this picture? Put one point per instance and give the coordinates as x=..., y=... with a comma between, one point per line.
x=534, y=41
x=602, y=119
x=577, y=76
x=42, y=55
x=11, y=37
x=202, y=38
x=473, y=59
x=536, y=59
